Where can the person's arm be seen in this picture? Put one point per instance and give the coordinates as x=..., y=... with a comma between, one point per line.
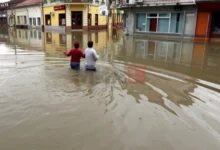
x=95, y=56
x=68, y=53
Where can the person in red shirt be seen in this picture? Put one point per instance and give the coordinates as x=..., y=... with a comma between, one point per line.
x=76, y=54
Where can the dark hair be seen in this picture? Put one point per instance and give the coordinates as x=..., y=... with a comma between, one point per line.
x=76, y=44
x=90, y=44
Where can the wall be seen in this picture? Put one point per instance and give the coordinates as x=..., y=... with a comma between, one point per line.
x=21, y=12
x=35, y=12
x=95, y=10
x=55, y=18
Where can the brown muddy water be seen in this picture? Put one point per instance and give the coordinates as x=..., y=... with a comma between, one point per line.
x=146, y=95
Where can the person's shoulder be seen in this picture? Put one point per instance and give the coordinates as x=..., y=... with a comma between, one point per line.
x=93, y=50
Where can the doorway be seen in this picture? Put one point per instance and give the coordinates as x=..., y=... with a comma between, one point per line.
x=216, y=25
x=62, y=19
x=48, y=20
x=76, y=19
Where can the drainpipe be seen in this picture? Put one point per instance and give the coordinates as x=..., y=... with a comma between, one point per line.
x=42, y=16
x=27, y=18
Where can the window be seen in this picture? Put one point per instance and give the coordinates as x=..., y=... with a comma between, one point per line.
x=96, y=19
x=140, y=22
x=34, y=21
x=159, y=22
x=30, y=21
x=39, y=21
x=89, y=19
x=176, y=23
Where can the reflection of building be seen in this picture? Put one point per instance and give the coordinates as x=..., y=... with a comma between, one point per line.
x=73, y=14
x=4, y=35
x=27, y=14
x=195, y=59
x=31, y=39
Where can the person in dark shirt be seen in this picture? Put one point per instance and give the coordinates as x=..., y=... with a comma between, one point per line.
x=76, y=54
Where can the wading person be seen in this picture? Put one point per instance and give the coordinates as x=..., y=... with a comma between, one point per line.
x=91, y=57
x=76, y=54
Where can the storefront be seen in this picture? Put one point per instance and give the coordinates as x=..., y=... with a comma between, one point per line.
x=208, y=21
x=169, y=21
x=68, y=17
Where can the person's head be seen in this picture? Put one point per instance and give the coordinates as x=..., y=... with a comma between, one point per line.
x=90, y=44
x=76, y=44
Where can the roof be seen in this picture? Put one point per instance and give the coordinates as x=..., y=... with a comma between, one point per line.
x=28, y=3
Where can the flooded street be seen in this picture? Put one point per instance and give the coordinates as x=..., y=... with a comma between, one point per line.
x=147, y=94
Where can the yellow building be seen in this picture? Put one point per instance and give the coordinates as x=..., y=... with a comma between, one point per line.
x=74, y=15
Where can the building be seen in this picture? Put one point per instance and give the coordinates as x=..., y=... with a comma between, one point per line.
x=27, y=14
x=70, y=15
x=208, y=19
x=3, y=13
x=159, y=17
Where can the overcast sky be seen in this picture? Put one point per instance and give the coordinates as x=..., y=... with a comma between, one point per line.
x=2, y=1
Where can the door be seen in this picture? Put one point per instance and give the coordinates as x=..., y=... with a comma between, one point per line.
x=153, y=24
x=202, y=24
x=89, y=19
x=76, y=20
x=189, y=24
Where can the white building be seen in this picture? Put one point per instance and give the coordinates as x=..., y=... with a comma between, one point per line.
x=27, y=14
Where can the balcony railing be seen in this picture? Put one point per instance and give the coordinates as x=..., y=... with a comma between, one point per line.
x=50, y=2
x=157, y=2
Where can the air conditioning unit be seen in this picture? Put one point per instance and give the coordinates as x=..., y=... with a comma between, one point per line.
x=139, y=1
x=51, y=13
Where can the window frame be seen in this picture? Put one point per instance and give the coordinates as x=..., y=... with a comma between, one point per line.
x=158, y=17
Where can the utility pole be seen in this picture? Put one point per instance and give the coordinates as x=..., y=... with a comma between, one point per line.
x=14, y=26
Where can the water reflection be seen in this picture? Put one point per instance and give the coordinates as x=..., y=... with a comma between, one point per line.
x=194, y=59
x=143, y=89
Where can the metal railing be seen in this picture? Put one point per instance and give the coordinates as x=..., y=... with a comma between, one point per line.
x=72, y=1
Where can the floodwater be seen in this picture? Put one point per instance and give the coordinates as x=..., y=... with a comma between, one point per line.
x=147, y=94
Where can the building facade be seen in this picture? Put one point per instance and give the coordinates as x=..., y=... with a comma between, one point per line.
x=26, y=14
x=160, y=17
x=73, y=15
